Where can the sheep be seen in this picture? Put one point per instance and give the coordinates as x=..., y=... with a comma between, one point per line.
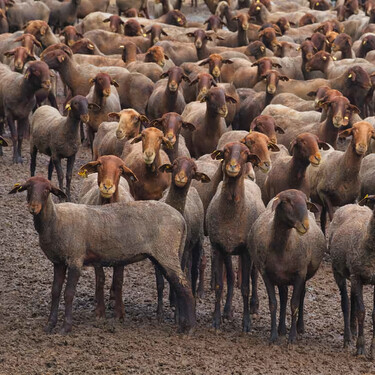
x=287, y=248
x=167, y=97
x=351, y=245
x=104, y=185
x=88, y=6
x=74, y=235
x=17, y=99
x=171, y=124
x=112, y=137
x=21, y=56
x=58, y=136
x=71, y=35
x=209, y=122
x=144, y=160
x=62, y=14
x=185, y=200
x=289, y=172
x=240, y=198
x=115, y=23
x=336, y=181
x=366, y=176
x=42, y=32
x=103, y=93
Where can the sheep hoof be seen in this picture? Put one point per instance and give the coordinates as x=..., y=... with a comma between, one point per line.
x=227, y=315
x=273, y=338
x=49, y=327
x=282, y=331
x=361, y=346
x=66, y=328
x=17, y=159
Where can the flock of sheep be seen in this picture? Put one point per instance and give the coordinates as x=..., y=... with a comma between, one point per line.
x=234, y=129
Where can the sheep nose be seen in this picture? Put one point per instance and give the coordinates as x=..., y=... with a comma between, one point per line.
x=309, y=55
x=337, y=121
x=173, y=86
x=85, y=118
x=162, y=63
x=170, y=137
x=198, y=44
x=271, y=89
x=361, y=148
x=181, y=179
x=106, y=92
x=46, y=84
x=223, y=111
x=315, y=159
x=216, y=72
x=156, y=39
x=119, y=134
x=245, y=26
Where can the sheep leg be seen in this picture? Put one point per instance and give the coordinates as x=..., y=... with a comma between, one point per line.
x=218, y=263
x=298, y=287
x=117, y=282
x=341, y=283
x=33, y=154
x=50, y=169
x=59, y=271
x=360, y=313
x=22, y=129
x=52, y=100
x=272, y=305
x=13, y=132
x=202, y=268
x=323, y=219
x=245, y=290
x=99, y=292
x=300, y=321
x=239, y=273
x=228, y=314
x=353, y=316
x=194, y=267
x=60, y=174
x=70, y=290
x=69, y=173
x=373, y=328
x=1, y=133
x=160, y=289
x=283, y=293
x=254, y=300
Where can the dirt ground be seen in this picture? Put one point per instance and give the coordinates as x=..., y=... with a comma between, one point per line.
x=140, y=345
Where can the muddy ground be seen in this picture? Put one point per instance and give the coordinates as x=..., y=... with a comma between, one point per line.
x=140, y=345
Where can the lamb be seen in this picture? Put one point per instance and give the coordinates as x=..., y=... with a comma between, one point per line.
x=289, y=172
x=166, y=96
x=209, y=122
x=62, y=14
x=336, y=181
x=185, y=200
x=17, y=99
x=112, y=137
x=287, y=248
x=144, y=160
x=240, y=198
x=74, y=235
x=104, y=185
x=351, y=245
x=58, y=136
x=104, y=94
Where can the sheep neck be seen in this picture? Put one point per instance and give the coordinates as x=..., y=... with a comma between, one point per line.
x=171, y=99
x=346, y=52
x=268, y=98
x=72, y=123
x=44, y=220
x=203, y=52
x=369, y=239
x=212, y=121
x=242, y=38
x=98, y=98
x=352, y=162
x=328, y=67
x=233, y=190
x=173, y=153
x=131, y=56
x=232, y=25
x=279, y=235
x=69, y=71
x=177, y=197
x=28, y=89
x=327, y=131
x=298, y=170
x=153, y=168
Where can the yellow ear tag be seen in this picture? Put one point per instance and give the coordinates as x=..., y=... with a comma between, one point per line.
x=257, y=8
x=17, y=185
x=364, y=42
x=363, y=199
x=27, y=74
x=145, y=35
x=83, y=173
x=317, y=4
x=179, y=19
x=350, y=75
x=346, y=118
x=68, y=107
x=334, y=58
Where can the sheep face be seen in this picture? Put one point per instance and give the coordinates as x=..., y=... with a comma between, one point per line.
x=130, y=122
x=200, y=38
x=256, y=49
x=133, y=28
x=156, y=32
x=260, y=145
x=156, y=55
x=175, y=76
x=308, y=49
x=21, y=56
x=215, y=62
x=272, y=78
x=78, y=107
x=216, y=101
x=340, y=110
x=183, y=171
x=103, y=84
x=115, y=23
x=266, y=124
x=84, y=46
x=290, y=208
x=170, y=124
x=71, y=35
x=204, y=81
x=38, y=190
x=109, y=168
x=38, y=74
x=152, y=139
x=362, y=132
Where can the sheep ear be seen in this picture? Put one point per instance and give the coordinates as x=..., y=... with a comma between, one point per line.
x=143, y=119
x=204, y=62
x=91, y=167
x=92, y=81
x=163, y=32
x=3, y=142
x=194, y=81
x=354, y=108
x=227, y=61
x=367, y=198
x=10, y=53
x=94, y=106
x=323, y=145
x=114, y=83
x=279, y=129
x=167, y=143
x=229, y=98
x=275, y=203
x=136, y=139
x=167, y=168
x=188, y=125
x=217, y=155
x=346, y=133
x=59, y=193
x=31, y=57
x=292, y=145
x=157, y=123
x=164, y=75
x=311, y=94
x=114, y=115
x=106, y=20
x=253, y=159
x=202, y=177
x=312, y=207
x=273, y=147
x=128, y=173
x=17, y=188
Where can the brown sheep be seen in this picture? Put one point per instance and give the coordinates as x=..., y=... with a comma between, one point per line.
x=115, y=23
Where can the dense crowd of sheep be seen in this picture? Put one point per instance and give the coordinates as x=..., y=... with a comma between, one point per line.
x=232, y=128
